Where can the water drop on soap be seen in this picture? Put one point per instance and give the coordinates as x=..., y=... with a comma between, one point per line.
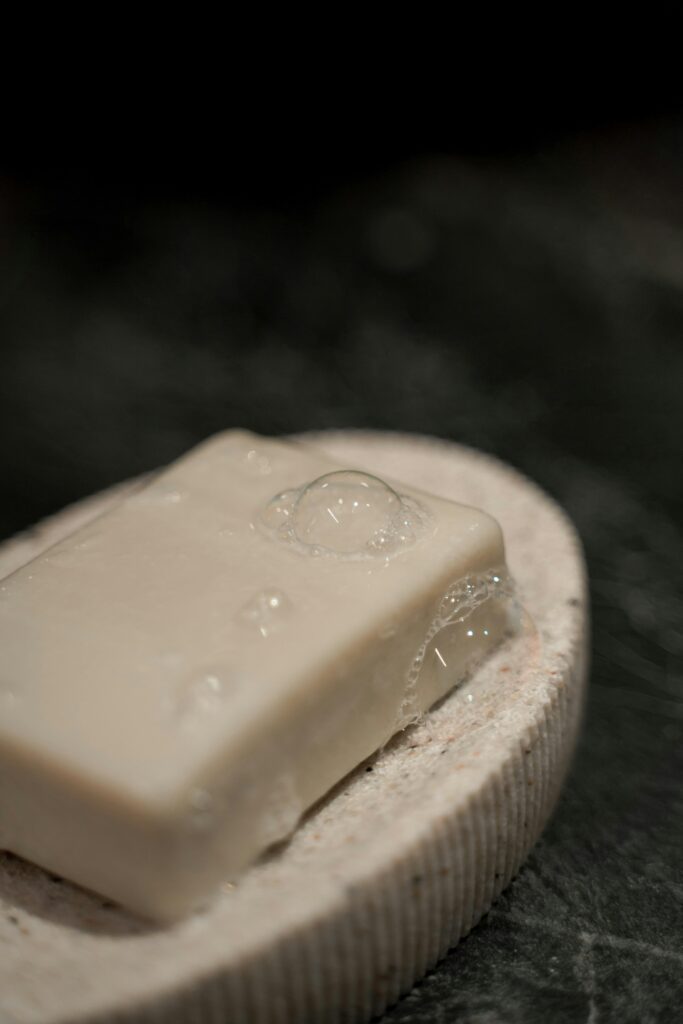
x=279, y=510
x=86, y=545
x=266, y=611
x=388, y=632
x=201, y=808
x=257, y=463
x=8, y=697
x=159, y=492
x=345, y=512
x=282, y=811
x=199, y=696
x=207, y=691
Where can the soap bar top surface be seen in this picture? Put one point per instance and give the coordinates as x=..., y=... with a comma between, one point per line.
x=180, y=623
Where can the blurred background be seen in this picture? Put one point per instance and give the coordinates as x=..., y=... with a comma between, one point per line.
x=515, y=284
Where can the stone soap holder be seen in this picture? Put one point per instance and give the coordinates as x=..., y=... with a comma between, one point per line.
x=391, y=868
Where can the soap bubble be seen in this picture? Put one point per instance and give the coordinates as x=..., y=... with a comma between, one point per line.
x=279, y=510
x=346, y=513
x=461, y=599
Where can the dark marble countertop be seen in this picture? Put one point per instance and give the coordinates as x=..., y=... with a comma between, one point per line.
x=530, y=307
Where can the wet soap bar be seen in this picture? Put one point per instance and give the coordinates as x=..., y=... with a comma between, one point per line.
x=186, y=674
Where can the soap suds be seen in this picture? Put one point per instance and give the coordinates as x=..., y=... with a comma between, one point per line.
x=458, y=604
x=346, y=514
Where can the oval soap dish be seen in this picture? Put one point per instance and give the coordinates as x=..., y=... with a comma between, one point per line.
x=391, y=868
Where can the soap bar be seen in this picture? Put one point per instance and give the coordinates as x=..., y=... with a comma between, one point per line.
x=184, y=676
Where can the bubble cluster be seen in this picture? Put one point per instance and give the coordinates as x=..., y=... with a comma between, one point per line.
x=347, y=513
x=459, y=602
x=468, y=593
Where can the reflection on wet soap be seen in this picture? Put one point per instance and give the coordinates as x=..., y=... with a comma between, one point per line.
x=267, y=611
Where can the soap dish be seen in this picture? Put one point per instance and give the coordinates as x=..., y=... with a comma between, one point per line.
x=386, y=873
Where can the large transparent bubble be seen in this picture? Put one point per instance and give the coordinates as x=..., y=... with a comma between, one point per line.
x=347, y=513
x=494, y=588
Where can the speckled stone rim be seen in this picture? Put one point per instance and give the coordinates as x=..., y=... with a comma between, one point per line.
x=389, y=872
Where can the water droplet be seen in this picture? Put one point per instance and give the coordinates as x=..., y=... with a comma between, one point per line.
x=257, y=463
x=200, y=696
x=8, y=697
x=266, y=611
x=388, y=632
x=208, y=690
x=282, y=811
x=201, y=808
x=346, y=513
x=280, y=509
x=160, y=492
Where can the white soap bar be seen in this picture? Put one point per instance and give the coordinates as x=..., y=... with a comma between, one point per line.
x=181, y=678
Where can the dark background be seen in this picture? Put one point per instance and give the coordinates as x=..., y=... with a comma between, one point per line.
x=507, y=284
